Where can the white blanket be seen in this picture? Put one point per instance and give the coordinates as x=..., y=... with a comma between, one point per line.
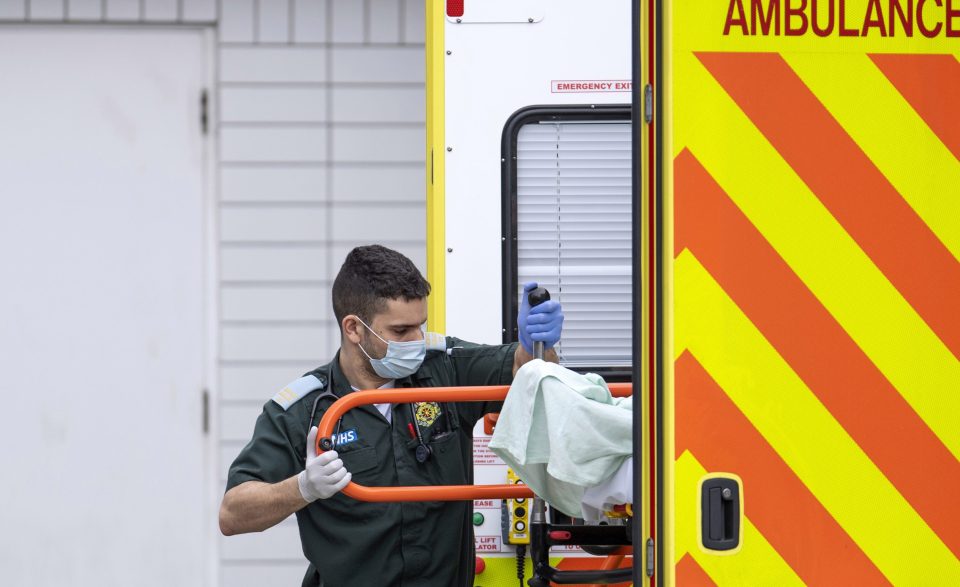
x=563, y=433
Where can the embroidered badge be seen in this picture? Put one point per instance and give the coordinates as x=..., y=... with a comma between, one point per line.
x=345, y=437
x=427, y=413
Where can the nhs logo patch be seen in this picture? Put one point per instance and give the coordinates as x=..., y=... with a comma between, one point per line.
x=345, y=437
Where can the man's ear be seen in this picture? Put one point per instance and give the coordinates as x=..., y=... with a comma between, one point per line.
x=351, y=327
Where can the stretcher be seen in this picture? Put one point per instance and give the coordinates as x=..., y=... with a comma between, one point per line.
x=544, y=533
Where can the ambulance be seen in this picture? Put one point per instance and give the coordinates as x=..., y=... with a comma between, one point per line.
x=750, y=209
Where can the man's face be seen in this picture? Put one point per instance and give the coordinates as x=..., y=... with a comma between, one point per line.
x=400, y=322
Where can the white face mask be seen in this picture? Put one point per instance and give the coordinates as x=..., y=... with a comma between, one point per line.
x=402, y=358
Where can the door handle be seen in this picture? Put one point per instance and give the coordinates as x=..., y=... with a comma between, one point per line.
x=721, y=505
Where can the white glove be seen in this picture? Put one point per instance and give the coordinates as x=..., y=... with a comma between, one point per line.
x=324, y=475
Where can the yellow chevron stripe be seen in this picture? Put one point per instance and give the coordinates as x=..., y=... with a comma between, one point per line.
x=817, y=249
x=757, y=563
x=501, y=571
x=926, y=177
x=803, y=432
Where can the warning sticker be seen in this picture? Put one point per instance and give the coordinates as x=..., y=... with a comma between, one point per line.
x=590, y=85
x=482, y=455
x=488, y=543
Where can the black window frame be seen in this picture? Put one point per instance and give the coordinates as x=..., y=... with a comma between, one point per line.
x=508, y=205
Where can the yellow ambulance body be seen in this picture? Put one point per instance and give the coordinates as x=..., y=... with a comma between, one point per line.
x=796, y=270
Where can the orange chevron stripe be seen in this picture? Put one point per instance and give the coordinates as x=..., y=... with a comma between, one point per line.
x=690, y=574
x=931, y=84
x=847, y=182
x=780, y=505
x=817, y=348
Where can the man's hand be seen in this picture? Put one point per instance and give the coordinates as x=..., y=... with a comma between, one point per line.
x=541, y=323
x=324, y=474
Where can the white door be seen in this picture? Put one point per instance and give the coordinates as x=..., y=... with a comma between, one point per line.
x=102, y=307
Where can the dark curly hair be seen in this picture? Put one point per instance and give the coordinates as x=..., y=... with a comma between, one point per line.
x=370, y=276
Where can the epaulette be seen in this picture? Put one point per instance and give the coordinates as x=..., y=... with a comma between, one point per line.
x=435, y=341
x=299, y=388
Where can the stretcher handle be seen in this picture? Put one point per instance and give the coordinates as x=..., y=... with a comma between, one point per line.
x=428, y=394
x=536, y=297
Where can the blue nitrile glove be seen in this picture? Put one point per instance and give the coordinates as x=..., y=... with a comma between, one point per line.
x=541, y=323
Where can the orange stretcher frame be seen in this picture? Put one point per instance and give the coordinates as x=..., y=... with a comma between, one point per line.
x=427, y=394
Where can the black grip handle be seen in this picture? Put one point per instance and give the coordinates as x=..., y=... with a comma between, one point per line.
x=538, y=296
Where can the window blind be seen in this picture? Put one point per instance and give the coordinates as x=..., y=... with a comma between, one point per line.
x=574, y=233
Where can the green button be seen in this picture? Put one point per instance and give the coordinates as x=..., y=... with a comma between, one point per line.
x=477, y=519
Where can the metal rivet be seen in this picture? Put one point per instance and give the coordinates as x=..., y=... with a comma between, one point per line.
x=449, y=149
x=449, y=249
x=529, y=20
x=459, y=20
x=449, y=52
x=726, y=493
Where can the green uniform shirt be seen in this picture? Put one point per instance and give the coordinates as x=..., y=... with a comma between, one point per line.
x=410, y=544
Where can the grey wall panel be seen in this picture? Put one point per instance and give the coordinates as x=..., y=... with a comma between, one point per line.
x=160, y=10
x=403, y=104
x=292, y=224
x=310, y=21
x=385, y=24
x=379, y=145
x=84, y=10
x=281, y=182
x=244, y=263
x=13, y=9
x=200, y=10
x=273, y=104
x=47, y=10
x=273, y=64
x=378, y=64
x=274, y=303
x=123, y=10
x=273, y=21
x=348, y=21
x=280, y=144
x=237, y=23
x=275, y=343
x=257, y=382
x=375, y=183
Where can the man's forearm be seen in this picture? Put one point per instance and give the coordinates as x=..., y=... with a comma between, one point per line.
x=521, y=357
x=255, y=506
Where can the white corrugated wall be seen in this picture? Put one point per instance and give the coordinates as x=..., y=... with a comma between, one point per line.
x=320, y=107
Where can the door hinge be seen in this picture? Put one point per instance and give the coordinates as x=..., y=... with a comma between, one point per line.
x=205, y=399
x=648, y=103
x=650, y=553
x=204, y=111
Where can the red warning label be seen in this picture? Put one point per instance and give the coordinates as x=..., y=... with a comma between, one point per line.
x=565, y=86
x=482, y=455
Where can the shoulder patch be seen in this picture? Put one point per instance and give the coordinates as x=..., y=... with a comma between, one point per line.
x=298, y=388
x=435, y=341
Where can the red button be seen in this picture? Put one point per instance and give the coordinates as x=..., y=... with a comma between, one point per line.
x=559, y=535
x=481, y=565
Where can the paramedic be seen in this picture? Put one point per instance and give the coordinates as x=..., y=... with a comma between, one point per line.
x=379, y=300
